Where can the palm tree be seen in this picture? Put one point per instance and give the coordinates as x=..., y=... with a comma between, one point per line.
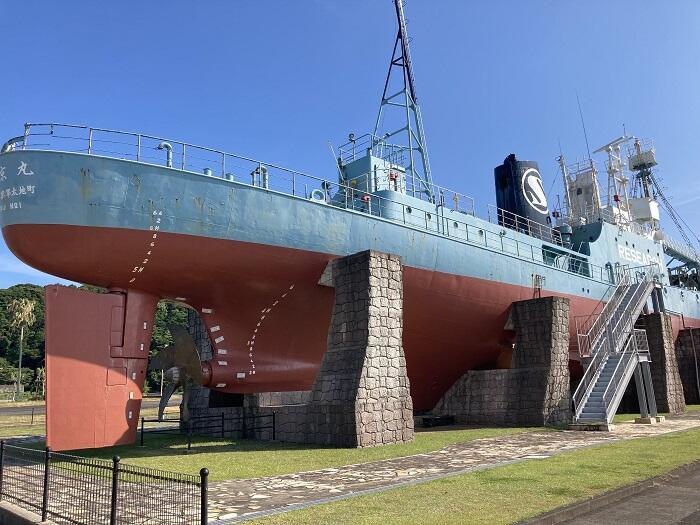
x=22, y=315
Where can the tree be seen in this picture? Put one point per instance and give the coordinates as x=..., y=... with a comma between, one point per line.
x=21, y=315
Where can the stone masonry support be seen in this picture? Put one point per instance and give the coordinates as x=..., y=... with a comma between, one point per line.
x=361, y=395
x=668, y=389
x=688, y=359
x=535, y=391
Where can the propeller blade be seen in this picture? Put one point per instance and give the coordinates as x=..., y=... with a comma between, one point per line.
x=164, y=359
x=186, y=355
x=168, y=392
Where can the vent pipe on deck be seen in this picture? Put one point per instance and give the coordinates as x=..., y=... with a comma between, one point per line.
x=169, y=151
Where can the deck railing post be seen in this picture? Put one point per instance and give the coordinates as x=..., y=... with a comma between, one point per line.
x=90, y=141
x=204, y=496
x=138, y=147
x=142, y=422
x=183, y=156
x=115, y=488
x=2, y=463
x=27, y=127
x=45, y=496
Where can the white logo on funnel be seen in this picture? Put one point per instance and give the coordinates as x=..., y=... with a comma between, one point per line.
x=534, y=192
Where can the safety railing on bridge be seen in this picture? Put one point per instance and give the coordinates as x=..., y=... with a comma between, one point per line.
x=440, y=219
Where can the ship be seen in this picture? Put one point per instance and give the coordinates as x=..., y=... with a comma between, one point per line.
x=248, y=243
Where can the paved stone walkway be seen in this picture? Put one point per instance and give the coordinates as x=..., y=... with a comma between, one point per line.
x=671, y=501
x=239, y=500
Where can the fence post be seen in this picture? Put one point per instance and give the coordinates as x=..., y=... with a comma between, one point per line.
x=115, y=488
x=45, y=497
x=222, y=424
x=142, y=422
x=273, y=426
x=189, y=435
x=2, y=463
x=204, y=496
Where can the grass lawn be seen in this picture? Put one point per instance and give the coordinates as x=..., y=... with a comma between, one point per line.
x=9, y=403
x=22, y=425
x=621, y=418
x=511, y=493
x=233, y=458
x=25, y=425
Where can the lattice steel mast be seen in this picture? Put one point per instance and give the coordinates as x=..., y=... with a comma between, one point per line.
x=408, y=101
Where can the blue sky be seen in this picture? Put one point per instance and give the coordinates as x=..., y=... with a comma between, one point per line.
x=277, y=79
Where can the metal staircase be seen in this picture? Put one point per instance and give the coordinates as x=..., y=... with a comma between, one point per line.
x=616, y=350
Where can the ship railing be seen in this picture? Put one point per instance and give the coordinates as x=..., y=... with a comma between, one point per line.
x=592, y=214
x=357, y=148
x=266, y=176
x=522, y=224
x=688, y=252
x=397, y=155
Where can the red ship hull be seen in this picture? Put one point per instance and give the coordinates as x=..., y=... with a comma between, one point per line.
x=270, y=297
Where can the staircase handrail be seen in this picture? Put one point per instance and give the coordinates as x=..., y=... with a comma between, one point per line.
x=626, y=276
x=630, y=357
x=587, y=339
x=642, y=278
x=631, y=310
x=628, y=352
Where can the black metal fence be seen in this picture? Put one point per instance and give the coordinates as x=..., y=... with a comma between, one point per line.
x=220, y=425
x=72, y=489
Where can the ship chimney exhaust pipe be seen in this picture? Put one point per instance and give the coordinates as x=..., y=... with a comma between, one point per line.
x=169, y=151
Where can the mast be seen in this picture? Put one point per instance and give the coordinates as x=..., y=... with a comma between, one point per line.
x=407, y=100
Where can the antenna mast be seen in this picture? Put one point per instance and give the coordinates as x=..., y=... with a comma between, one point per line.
x=407, y=100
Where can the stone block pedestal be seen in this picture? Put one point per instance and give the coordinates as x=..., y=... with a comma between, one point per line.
x=535, y=391
x=668, y=389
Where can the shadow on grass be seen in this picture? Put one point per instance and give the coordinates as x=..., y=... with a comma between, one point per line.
x=201, y=444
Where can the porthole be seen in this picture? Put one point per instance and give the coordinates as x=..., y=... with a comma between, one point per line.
x=481, y=232
x=456, y=224
x=408, y=209
x=428, y=216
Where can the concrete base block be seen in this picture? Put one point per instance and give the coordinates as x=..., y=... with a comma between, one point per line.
x=660, y=419
x=645, y=421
